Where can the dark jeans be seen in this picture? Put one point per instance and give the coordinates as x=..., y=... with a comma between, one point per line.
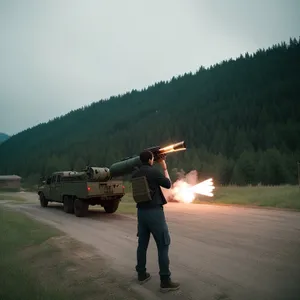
x=153, y=221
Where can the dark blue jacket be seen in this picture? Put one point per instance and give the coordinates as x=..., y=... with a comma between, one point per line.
x=155, y=180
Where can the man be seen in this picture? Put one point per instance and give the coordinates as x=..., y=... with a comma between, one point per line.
x=151, y=219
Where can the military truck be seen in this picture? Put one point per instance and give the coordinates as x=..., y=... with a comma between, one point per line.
x=76, y=190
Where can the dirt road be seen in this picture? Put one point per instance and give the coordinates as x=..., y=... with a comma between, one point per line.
x=217, y=252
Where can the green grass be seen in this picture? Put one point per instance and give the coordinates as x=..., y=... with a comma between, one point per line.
x=18, y=233
x=127, y=207
x=286, y=196
x=265, y=196
x=11, y=190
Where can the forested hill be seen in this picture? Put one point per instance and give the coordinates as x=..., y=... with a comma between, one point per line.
x=240, y=120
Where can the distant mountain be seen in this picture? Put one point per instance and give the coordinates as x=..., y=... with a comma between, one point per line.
x=3, y=137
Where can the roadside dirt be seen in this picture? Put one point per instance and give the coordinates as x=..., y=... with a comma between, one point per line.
x=216, y=252
x=64, y=263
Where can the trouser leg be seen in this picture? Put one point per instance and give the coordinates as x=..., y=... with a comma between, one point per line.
x=143, y=242
x=163, y=256
x=160, y=231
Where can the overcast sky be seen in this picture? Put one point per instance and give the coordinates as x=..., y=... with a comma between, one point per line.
x=59, y=55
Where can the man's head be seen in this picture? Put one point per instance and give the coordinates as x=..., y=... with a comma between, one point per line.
x=147, y=157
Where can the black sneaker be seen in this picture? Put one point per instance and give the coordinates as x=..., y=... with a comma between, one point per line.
x=168, y=286
x=144, y=277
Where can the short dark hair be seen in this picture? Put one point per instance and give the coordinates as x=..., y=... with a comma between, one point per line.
x=145, y=156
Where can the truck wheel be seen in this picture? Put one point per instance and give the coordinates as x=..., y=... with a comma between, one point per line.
x=80, y=208
x=112, y=207
x=68, y=205
x=43, y=200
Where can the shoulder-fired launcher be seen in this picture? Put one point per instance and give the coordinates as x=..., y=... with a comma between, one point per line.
x=128, y=164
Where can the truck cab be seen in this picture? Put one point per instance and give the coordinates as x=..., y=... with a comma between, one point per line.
x=52, y=187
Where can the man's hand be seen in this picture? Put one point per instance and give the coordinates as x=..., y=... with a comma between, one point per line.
x=162, y=162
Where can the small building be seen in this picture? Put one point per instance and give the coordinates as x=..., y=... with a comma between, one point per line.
x=10, y=182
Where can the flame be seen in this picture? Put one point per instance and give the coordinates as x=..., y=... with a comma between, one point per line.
x=182, y=192
x=173, y=148
x=185, y=192
x=204, y=188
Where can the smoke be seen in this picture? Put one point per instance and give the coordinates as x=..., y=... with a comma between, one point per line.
x=191, y=178
x=183, y=181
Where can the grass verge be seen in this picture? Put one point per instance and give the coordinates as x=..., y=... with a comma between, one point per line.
x=127, y=207
x=263, y=196
x=39, y=262
x=17, y=234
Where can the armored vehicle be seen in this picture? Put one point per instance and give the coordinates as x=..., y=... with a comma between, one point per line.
x=76, y=190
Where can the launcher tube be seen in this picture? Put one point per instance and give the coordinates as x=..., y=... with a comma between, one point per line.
x=128, y=165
